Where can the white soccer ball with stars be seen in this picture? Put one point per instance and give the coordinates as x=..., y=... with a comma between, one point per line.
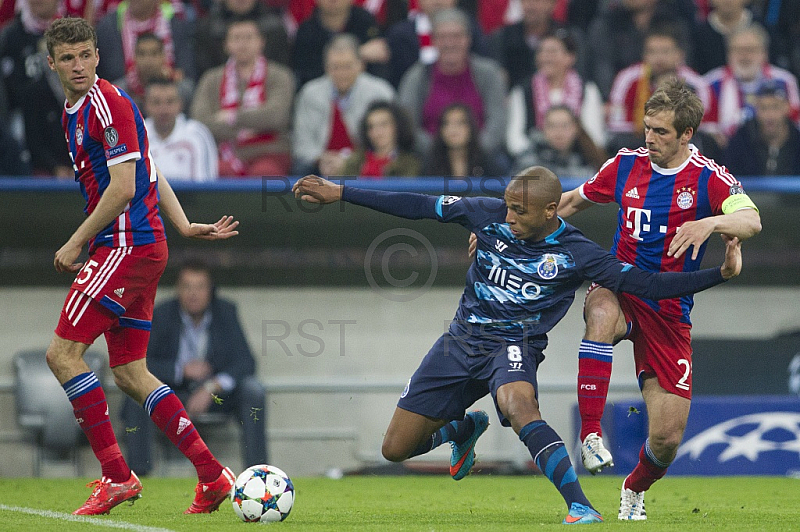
x=262, y=493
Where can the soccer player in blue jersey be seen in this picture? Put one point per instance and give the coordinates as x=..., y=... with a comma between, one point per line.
x=528, y=265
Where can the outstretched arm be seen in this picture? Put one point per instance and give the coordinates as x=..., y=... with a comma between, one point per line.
x=168, y=202
x=665, y=285
x=410, y=205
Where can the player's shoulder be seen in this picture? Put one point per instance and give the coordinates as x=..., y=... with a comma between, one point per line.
x=107, y=99
x=716, y=170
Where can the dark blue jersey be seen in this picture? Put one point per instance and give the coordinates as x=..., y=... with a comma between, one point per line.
x=516, y=289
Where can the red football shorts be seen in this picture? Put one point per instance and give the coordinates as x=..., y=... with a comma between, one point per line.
x=113, y=294
x=660, y=347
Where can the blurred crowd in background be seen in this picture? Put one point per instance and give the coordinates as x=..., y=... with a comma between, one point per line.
x=406, y=88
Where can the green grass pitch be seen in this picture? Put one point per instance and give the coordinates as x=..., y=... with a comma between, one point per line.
x=419, y=503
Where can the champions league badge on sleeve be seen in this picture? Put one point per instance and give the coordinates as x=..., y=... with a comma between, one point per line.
x=548, y=268
x=112, y=137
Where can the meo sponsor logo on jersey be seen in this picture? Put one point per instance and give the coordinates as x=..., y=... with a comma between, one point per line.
x=507, y=280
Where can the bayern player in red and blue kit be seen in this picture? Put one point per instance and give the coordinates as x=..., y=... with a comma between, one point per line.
x=528, y=265
x=671, y=200
x=114, y=290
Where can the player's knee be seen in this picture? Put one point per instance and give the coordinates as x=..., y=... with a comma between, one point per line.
x=603, y=319
x=392, y=451
x=665, y=444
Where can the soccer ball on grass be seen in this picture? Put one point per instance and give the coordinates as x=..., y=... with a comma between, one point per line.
x=262, y=493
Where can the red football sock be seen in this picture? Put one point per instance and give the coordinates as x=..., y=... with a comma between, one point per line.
x=594, y=374
x=169, y=415
x=91, y=411
x=647, y=471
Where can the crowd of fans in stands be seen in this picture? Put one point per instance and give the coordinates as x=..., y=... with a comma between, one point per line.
x=376, y=88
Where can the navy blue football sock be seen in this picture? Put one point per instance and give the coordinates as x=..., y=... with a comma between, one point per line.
x=455, y=431
x=550, y=456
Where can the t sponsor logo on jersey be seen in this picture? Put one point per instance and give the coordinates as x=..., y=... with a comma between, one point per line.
x=548, y=268
x=685, y=197
x=79, y=135
x=182, y=424
x=112, y=137
x=632, y=193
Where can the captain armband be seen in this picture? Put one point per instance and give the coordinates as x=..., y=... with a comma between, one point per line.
x=737, y=202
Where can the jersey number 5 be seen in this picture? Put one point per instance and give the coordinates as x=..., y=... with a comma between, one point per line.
x=86, y=271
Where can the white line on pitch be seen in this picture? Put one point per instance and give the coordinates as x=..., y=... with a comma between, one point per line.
x=82, y=519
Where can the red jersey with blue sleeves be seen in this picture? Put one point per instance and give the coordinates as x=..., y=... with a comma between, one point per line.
x=654, y=202
x=105, y=128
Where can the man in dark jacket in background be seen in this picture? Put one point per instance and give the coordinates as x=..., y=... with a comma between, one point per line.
x=197, y=347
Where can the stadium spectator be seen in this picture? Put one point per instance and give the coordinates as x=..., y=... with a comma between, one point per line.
x=617, y=37
x=768, y=143
x=246, y=103
x=663, y=58
x=33, y=91
x=495, y=343
x=456, y=150
x=563, y=146
x=209, y=37
x=184, y=148
x=515, y=46
x=783, y=22
x=329, y=109
x=114, y=290
x=671, y=200
x=330, y=18
x=410, y=41
x=120, y=27
x=198, y=348
x=150, y=62
x=556, y=82
x=734, y=85
x=710, y=35
x=456, y=76
x=387, y=144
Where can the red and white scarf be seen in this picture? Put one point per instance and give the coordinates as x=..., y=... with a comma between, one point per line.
x=34, y=25
x=571, y=95
x=254, y=95
x=131, y=28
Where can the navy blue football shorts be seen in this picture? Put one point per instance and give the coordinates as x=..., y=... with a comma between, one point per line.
x=455, y=373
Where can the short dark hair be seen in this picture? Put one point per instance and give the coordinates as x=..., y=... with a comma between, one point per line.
x=160, y=81
x=149, y=36
x=404, y=133
x=69, y=30
x=675, y=95
x=671, y=30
